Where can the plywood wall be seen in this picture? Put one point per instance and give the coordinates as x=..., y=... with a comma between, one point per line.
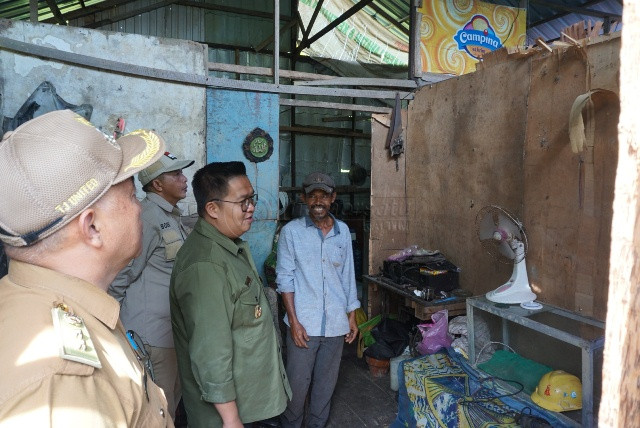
x=464, y=151
x=567, y=196
x=389, y=209
x=500, y=136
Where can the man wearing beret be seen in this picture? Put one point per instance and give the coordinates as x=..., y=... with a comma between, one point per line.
x=142, y=288
x=70, y=221
x=315, y=276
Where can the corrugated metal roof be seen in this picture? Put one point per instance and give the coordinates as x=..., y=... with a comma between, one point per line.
x=393, y=14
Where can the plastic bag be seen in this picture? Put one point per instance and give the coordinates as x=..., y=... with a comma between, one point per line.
x=409, y=252
x=435, y=335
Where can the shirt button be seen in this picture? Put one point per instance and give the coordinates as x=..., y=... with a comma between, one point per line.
x=162, y=412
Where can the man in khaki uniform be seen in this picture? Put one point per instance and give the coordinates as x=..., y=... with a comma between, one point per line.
x=142, y=288
x=70, y=221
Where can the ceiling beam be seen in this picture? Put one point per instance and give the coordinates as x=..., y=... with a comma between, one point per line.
x=56, y=12
x=334, y=106
x=130, y=14
x=33, y=11
x=266, y=71
x=389, y=18
x=110, y=4
x=229, y=9
x=362, y=81
x=348, y=14
x=91, y=10
x=305, y=34
x=325, y=131
x=188, y=78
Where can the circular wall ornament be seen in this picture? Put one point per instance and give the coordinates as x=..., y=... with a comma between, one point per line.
x=258, y=146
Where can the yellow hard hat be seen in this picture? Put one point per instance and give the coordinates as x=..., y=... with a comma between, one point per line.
x=558, y=391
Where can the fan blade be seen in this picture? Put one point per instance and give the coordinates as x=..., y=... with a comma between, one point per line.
x=506, y=250
x=488, y=225
x=510, y=226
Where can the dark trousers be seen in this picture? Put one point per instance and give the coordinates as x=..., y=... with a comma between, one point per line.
x=320, y=363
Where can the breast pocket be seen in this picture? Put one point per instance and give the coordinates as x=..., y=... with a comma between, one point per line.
x=253, y=313
x=337, y=254
x=172, y=242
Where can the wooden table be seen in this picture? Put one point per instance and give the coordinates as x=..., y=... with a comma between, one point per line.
x=380, y=290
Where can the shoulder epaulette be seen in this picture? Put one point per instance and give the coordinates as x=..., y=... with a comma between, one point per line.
x=74, y=341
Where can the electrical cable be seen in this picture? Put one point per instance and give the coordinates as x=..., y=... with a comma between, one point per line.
x=476, y=400
x=475, y=363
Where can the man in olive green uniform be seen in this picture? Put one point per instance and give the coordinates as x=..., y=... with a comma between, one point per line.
x=70, y=222
x=142, y=288
x=229, y=359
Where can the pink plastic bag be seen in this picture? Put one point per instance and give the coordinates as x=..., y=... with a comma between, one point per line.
x=435, y=335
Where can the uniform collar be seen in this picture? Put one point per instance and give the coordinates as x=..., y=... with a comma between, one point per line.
x=309, y=223
x=91, y=298
x=162, y=203
x=234, y=246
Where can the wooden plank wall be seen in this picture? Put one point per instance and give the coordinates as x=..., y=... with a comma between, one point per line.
x=500, y=136
x=568, y=197
x=389, y=210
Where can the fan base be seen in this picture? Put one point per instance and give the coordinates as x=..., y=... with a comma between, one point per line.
x=512, y=293
x=532, y=306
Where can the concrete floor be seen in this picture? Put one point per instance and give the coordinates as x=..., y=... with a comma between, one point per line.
x=361, y=400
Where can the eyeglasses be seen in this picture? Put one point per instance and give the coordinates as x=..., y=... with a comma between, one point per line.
x=244, y=204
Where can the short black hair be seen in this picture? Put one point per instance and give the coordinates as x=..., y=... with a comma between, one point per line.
x=212, y=181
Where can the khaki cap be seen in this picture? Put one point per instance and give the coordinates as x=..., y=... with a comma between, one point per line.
x=55, y=166
x=166, y=163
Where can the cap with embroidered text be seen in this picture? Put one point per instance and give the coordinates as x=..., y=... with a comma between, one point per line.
x=318, y=180
x=55, y=166
x=166, y=163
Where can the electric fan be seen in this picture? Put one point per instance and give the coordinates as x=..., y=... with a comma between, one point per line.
x=503, y=236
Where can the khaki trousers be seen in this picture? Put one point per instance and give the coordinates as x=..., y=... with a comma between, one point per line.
x=165, y=370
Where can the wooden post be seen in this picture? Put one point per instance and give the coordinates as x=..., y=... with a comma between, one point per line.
x=276, y=42
x=620, y=402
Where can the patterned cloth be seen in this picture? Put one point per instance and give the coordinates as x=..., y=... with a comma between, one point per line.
x=443, y=390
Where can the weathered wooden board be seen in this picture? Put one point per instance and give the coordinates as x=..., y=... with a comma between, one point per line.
x=567, y=196
x=389, y=208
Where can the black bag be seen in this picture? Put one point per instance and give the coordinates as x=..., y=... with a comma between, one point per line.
x=391, y=336
x=432, y=271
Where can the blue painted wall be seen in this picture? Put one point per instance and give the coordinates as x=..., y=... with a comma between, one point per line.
x=231, y=116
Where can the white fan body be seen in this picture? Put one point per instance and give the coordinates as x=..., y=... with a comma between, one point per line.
x=505, y=239
x=517, y=289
